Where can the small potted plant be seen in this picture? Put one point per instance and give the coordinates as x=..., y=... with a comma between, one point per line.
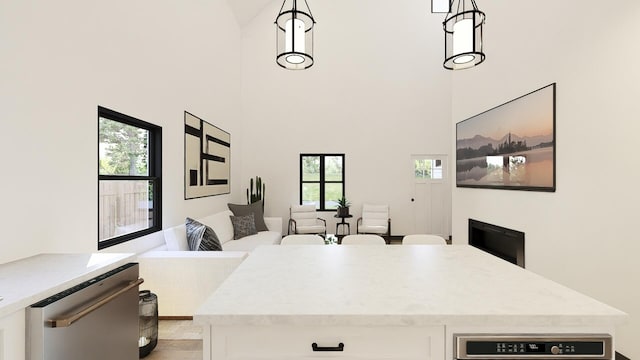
x=343, y=206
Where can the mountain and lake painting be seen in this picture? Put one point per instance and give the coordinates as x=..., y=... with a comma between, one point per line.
x=511, y=146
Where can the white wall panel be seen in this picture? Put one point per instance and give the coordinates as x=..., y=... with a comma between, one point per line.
x=583, y=235
x=60, y=60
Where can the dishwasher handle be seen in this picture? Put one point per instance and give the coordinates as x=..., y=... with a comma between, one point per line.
x=68, y=321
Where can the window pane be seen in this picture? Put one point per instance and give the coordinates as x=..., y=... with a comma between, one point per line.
x=311, y=194
x=126, y=206
x=436, y=169
x=123, y=149
x=310, y=168
x=422, y=169
x=332, y=192
x=322, y=180
x=333, y=168
x=425, y=169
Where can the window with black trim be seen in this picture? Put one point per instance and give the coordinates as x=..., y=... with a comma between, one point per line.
x=321, y=180
x=129, y=178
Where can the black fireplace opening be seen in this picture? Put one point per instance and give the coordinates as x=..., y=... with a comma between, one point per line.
x=507, y=244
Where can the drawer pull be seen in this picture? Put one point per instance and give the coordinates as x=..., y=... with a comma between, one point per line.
x=315, y=347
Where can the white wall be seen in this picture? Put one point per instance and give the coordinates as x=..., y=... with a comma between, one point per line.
x=59, y=60
x=377, y=93
x=585, y=234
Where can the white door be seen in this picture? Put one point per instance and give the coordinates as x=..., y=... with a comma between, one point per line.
x=431, y=195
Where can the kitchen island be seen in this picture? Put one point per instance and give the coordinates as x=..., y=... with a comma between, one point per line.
x=384, y=302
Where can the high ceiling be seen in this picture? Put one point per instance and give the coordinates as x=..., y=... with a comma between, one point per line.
x=246, y=10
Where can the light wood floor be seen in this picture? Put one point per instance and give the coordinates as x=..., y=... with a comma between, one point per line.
x=176, y=350
x=177, y=340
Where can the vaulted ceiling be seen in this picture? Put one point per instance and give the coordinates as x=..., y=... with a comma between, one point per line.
x=246, y=10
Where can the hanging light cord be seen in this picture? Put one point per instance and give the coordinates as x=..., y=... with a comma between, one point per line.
x=295, y=8
x=310, y=14
x=460, y=3
x=281, y=7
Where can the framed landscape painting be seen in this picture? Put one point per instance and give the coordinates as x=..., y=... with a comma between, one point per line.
x=512, y=146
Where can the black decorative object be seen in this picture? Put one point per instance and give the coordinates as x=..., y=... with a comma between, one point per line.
x=294, y=35
x=253, y=197
x=148, y=322
x=343, y=207
x=463, y=35
x=512, y=146
x=343, y=223
x=507, y=244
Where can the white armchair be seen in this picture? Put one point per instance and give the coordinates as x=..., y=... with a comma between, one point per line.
x=423, y=239
x=302, y=239
x=374, y=220
x=363, y=239
x=304, y=220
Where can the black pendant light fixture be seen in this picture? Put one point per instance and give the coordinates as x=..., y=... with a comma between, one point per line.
x=463, y=35
x=294, y=35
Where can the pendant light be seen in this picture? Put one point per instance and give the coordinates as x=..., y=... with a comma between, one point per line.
x=463, y=35
x=294, y=35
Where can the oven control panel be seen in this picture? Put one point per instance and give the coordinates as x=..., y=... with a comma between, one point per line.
x=579, y=346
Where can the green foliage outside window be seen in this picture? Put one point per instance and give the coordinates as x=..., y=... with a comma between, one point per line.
x=124, y=149
x=129, y=178
x=311, y=168
x=423, y=168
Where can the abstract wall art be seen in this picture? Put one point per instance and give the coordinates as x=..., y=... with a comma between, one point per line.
x=511, y=146
x=207, y=158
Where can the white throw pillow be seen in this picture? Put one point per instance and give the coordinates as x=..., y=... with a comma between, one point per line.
x=221, y=224
x=176, y=238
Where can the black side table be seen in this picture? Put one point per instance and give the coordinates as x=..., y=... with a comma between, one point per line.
x=343, y=223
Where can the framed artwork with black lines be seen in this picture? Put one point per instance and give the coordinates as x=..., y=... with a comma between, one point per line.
x=207, y=158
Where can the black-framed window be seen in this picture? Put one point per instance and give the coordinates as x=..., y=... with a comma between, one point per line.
x=321, y=180
x=129, y=178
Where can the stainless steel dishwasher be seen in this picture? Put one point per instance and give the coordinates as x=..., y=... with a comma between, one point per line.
x=97, y=319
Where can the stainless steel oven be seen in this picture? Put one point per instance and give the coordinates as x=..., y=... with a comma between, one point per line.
x=97, y=319
x=532, y=346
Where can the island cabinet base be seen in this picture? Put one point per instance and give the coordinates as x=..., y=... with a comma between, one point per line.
x=296, y=342
x=283, y=299
x=12, y=336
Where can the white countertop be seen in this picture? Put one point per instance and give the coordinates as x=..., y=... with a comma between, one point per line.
x=393, y=285
x=27, y=281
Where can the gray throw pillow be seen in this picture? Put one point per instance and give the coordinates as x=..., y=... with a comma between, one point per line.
x=256, y=209
x=243, y=226
x=200, y=237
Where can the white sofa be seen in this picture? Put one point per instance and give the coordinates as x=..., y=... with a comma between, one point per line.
x=176, y=237
x=183, y=279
